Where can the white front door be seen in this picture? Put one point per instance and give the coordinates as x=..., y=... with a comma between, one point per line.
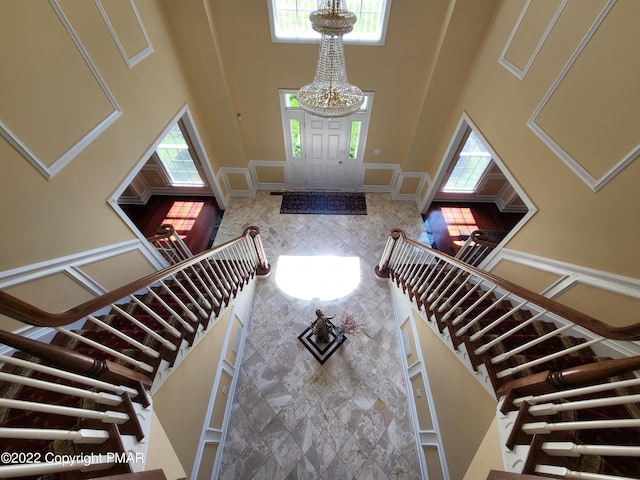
x=326, y=152
x=323, y=153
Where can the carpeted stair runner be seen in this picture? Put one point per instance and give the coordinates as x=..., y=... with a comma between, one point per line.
x=16, y=418
x=609, y=465
x=29, y=419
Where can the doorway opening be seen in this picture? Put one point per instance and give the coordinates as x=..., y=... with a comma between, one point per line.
x=323, y=153
x=473, y=190
x=173, y=183
x=195, y=219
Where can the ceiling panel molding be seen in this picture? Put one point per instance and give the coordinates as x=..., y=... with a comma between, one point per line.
x=577, y=165
x=50, y=167
x=521, y=71
x=121, y=41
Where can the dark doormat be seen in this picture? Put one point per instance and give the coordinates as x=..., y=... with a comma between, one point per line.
x=325, y=203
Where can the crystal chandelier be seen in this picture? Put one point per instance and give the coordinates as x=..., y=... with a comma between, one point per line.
x=330, y=94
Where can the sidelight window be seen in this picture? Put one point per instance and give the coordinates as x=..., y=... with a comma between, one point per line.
x=354, y=138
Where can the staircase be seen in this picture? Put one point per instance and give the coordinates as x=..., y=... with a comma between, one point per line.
x=567, y=384
x=71, y=408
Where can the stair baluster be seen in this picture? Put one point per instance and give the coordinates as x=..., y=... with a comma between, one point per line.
x=529, y=346
x=86, y=382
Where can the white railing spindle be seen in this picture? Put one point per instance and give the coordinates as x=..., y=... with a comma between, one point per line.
x=74, y=377
x=84, y=435
x=131, y=361
x=533, y=363
x=173, y=313
x=570, y=449
x=577, y=392
x=172, y=330
x=553, y=408
x=563, y=472
x=107, y=416
x=98, y=397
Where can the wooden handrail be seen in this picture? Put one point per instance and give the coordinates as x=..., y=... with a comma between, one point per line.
x=80, y=363
x=630, y=332
x=162, y=232
x=145, y=475
x=500, y=475
x=578, y=376
x=481, y=237
x=20, y=310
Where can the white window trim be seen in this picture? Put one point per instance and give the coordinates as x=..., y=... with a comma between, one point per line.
x=465, y=123
x=168, y=172
x=347, y=39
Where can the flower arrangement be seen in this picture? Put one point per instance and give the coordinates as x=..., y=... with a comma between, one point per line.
x=349, y=324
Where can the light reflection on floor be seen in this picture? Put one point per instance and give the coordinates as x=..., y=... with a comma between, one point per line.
x=325, y=277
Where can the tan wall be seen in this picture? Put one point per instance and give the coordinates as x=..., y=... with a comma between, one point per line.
x=119, y=270
x=529, y=277
x=190, y=387
x=378, y=177
x=599, y=300
x=462, y=425
x=270, y=174
x=573, y=223
x=432, y=459
x=51, y=99
x=63, y=293
x=208, y=459
x=615, y=309
x=488, y=457
x=253, y=69
x=161, y=454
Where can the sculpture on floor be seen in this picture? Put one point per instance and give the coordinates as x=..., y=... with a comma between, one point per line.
x=322, y=327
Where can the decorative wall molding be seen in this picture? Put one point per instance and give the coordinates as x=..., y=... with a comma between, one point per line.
x=253, y=184
x=502, y=199
x=223, y=174
x=569, y=274
x=423, y=178
x=141, y=189
x=254, y=164
x=49, y=170
x=405, y=316
x=70, y=266
x=142, y=54
x=510, y=66
x=594, y=183
x=240, y=312
x=392, y=167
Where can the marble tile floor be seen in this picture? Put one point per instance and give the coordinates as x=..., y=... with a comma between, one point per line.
x=291, y=417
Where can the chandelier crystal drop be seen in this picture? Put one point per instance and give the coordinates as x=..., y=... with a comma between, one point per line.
x=330, y=94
